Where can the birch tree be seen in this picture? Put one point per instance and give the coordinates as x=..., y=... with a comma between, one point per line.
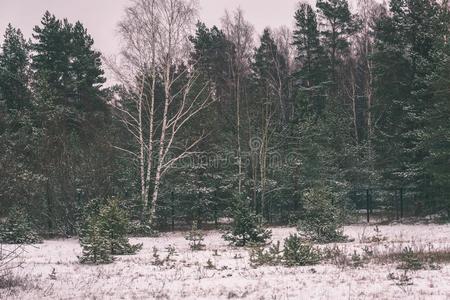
x=155, y=49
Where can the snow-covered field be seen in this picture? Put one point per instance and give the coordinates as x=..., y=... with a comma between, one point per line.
x=231, y=276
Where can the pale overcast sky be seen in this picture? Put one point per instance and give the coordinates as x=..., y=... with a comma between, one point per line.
x=100, y=17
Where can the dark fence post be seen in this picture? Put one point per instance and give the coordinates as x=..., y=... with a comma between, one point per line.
x=215, y=218
x=396, y=205
x=368, y=205
x=172, y=211
x=215, y=209
x=401, y=203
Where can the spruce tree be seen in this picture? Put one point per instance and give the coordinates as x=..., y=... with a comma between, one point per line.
x=17, y=229
x=271, y=78
x=95, y=243
x=14, y=72
x=104, y=232
x=70, y=116
x=246, y=228
x=406, y=40
x=19, y=178
x=323, y=215
x=113, y=222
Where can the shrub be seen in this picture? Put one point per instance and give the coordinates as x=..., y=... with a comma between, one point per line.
x=410, y=260
x=141, y=229
x=295, y=253
x=104, y=235
x=210, y=265
x=298, y=253
x=95, y=243
x=246, y=227
x=113, y=221
x=18, y=229
x=9, y=260
x=272, y=256
x=195, y=238
x=402, y=279
x=322, y=219
x=335, y=255
x=357, y=260
x=158, y=261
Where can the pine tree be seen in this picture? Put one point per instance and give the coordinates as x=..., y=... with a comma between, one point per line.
x=50, y=60
x=311, y=78
x=338, y=24
x=269, y=102
x=66, y=66
x=213, y=54
x=298, y=253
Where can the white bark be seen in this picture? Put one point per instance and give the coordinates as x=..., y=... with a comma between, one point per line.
x=155, y=35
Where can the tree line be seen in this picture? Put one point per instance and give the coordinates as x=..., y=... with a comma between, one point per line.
x=199, y=116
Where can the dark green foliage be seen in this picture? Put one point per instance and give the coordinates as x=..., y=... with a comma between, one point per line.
x=246, y=228
x=195, y=238
x=270, y=73
x=410, y=260
x=95, y=243
x=113, y=221
x=298, y=253
x=66, y=63
x=357, y=260
x=104, y=234
x=141, y=229
x=355, y=110
x=295, y=252
x=435, y=136
x=323, y=218
x=14, y=73
x=259, y=256
x=340, y=25
x=213, y=54
x=410, y=53
x=17, y=229
x=312, y=77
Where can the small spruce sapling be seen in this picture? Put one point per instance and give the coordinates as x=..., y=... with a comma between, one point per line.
x=323, y=218
x=298, y=253
x=18, y=229
x=113, y=220
x=410, y=260
x=104, y=234
x=246, y=228
x=195, y=238
x=95, y=243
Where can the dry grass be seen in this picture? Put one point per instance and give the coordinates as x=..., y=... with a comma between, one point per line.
x=364, y=269
x=441, y=256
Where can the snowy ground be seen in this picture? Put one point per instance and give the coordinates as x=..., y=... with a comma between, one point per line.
x=136, y=277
